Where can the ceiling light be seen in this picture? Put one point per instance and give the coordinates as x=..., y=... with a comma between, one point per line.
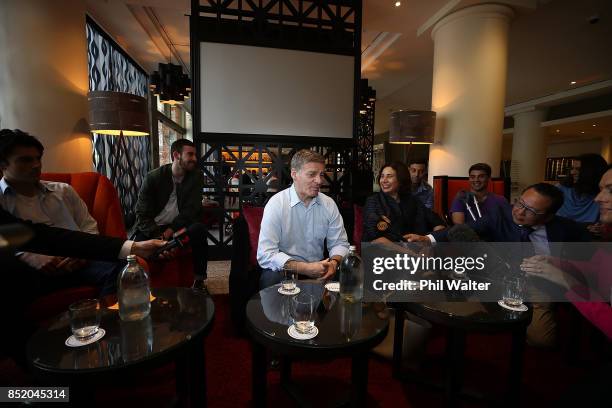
x=398, y=3
x=594, y=125
x=558, y=130
x=573, y=83
x=169, y=82
x=582, y=131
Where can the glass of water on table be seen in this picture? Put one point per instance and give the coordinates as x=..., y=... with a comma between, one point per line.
x=84, y=318
x=302, y=312
x=289, y=282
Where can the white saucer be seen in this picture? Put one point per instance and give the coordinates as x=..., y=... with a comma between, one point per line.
x=73, y=342
x=521, y=308
x=292, y=332
x=333, y=286
x=284, y=292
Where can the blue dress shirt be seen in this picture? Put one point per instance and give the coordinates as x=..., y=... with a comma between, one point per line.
x=291, y=230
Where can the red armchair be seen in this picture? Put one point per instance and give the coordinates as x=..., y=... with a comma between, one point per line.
x=244, y=270
x=446, y=188
x=103, y=204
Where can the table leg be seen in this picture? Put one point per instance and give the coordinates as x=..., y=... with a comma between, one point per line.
x=285, y=370
x=182, y=379
x=359, y=374
x=398, y=342
x=516, y=366
x=259, y=375
x=454, y=351
x=197, y=374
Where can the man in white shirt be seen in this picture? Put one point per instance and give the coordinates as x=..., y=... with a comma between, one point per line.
x=25, y=196
x=296, y=223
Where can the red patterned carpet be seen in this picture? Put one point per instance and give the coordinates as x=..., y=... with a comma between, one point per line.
x=546, y=375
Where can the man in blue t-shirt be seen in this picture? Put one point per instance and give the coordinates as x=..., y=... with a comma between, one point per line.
x=472, y=205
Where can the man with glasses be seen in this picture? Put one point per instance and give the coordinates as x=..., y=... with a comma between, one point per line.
x=531, y=219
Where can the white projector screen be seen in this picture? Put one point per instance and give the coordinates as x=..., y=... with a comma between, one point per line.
x=269, y=91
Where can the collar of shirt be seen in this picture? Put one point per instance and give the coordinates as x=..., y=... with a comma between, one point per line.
x=44, y=187
x=295, y=199
x=424, y=186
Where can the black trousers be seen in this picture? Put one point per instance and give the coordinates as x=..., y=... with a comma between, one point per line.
x=199, y=247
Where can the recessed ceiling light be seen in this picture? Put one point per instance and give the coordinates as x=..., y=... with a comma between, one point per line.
x=573, y=83
x=557, y=130
x=398, y=3
x=582, y=131
x=594, y=125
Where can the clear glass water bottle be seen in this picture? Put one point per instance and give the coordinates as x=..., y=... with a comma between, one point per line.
x=351, y=276
x=134, y=291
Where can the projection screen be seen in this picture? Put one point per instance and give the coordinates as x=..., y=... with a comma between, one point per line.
x=270, y=91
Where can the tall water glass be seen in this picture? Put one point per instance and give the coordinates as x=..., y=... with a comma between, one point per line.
x=289, y=282
x=514, y=291
x=302, y=312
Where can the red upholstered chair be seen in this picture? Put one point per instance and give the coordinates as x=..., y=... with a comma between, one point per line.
x=102, y=201
x=446, y=188
x=103, y=204
x=244, y=270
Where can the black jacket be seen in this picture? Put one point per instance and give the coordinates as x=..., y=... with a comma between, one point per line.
x=62, y=242
x=409, y=216
x=499, y=226
x=154, y=195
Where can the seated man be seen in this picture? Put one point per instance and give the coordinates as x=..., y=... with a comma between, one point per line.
x=473, y=204
x=419, y=186
x=531, y=219
x=171, y=199
x=24, y=195
x=296, y=223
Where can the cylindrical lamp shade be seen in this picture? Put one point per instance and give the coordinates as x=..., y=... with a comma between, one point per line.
x=111, y=113
x=412, y=127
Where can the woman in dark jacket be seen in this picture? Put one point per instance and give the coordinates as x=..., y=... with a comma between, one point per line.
x=393, y=212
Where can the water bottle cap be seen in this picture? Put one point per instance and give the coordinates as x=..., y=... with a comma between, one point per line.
x=353, y=248
x=131, y=258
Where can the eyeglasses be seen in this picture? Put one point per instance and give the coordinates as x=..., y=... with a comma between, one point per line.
x=520, y=204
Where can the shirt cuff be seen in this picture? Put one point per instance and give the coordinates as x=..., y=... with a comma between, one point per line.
x=431, y=238
x=126, y=249
x=339, y=251
x=279, y=260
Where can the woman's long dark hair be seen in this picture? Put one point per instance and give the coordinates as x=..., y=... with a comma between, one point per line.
x=402, y=174
x=592, y=167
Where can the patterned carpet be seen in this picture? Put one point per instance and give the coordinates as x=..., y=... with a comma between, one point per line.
x=218, y=275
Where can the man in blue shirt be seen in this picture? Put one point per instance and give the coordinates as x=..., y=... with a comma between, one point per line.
x=419, y=186
x=296, y=223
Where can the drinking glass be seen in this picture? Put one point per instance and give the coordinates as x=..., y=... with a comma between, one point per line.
x=84, y=318
x=514, y=291
x=302, y=312
x=289, y=279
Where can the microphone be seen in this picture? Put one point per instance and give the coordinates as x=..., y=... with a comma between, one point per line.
x=13, y=236
x=179, y=240
x=462, y=233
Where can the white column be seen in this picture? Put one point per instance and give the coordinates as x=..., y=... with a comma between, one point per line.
x=43, y=78
x=469, y=87
x=528, y=150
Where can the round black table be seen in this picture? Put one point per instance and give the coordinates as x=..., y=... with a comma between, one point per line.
x=345, y=329
x=460, y=318
x=180, y=318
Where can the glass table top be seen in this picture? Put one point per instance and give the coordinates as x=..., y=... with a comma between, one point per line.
x=339, y=322
x=177, y=315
